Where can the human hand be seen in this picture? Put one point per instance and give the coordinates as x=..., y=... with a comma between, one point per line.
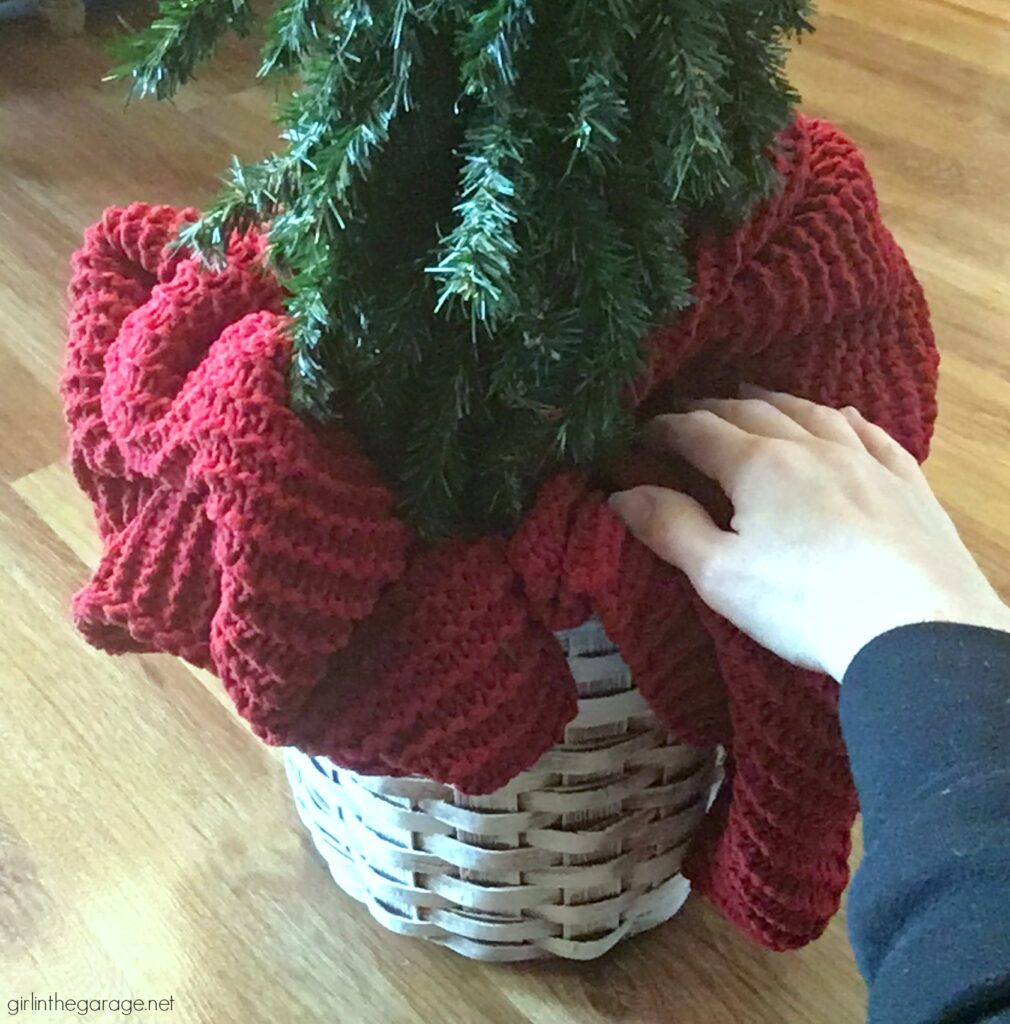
x=836, y=536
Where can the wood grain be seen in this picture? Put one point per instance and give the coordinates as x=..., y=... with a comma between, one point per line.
x=147, y=845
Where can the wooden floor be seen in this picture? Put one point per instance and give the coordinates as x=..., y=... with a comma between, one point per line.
x=147, y=845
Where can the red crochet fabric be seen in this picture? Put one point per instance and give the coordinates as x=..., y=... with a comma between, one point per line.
x=246, y=540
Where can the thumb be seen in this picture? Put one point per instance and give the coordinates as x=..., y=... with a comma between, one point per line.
x=672, y=524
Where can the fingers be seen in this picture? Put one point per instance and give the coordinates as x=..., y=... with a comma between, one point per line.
x=819, y=420
x=845, y=426
x=710, y=443
x=883, y=447
x=720, y=436
x=755, y=415
x=673, y=525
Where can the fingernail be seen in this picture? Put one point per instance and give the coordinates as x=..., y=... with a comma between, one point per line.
x=747, y=390
x=635, y=507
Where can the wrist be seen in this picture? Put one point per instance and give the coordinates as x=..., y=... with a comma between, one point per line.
x=992, y=614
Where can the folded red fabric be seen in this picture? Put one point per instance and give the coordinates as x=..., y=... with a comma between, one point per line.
x=266, y=548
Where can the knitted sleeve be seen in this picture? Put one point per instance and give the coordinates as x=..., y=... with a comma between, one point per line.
x=122, y=258
x=225, y=518
x=814, y=297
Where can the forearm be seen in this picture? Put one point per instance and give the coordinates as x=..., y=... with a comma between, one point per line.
x=926, y=716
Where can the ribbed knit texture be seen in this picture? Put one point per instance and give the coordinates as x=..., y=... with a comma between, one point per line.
x=267, y=548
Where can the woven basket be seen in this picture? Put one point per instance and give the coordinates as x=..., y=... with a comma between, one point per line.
x=572, y=856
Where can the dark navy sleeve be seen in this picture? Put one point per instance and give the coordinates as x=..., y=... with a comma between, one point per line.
x=926, y=717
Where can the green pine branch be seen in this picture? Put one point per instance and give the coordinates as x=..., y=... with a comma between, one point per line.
x=475, y=268
x=165, y=56
x=489, y=44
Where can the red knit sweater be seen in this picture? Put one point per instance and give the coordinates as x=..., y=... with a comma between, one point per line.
x=267, y=549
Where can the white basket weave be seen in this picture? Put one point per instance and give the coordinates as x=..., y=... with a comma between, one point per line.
x=572, y=856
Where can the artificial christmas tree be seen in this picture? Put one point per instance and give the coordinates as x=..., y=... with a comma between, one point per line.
x=482, y=209
x=349, y=435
